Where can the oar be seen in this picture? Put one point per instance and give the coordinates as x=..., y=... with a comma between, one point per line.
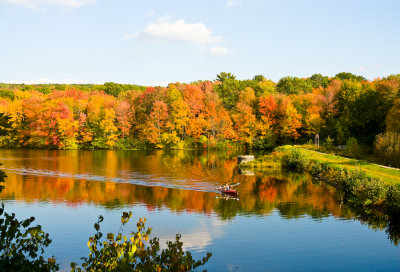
x=232, y=185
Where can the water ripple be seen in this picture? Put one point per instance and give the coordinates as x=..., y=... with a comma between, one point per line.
x=139, y=179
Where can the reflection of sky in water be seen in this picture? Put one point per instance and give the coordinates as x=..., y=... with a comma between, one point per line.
x=249, y=243
x=278, y=224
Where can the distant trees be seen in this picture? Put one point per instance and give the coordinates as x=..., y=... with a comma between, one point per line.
x=293, y=85
x=318, y=80
x=204, y=114
x=350, y=76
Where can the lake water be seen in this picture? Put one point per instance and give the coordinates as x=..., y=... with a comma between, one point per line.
x=279, y=222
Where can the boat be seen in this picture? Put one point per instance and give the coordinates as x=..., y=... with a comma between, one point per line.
x=230, y=192
x=227, y=190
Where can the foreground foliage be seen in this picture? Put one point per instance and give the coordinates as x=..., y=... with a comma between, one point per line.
x=135, y=252
x=22, y=245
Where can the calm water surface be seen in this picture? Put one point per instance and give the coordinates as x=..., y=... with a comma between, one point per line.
x=278, y=223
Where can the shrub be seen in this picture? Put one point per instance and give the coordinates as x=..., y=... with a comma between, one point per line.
x=267, y=143
x=134, y=253
x=352, y=148
x=21, y=245
x=393, y=199
x=294, y=160
x=328, y=144
x=356, y=186
x=387, y=147
x=366, y=190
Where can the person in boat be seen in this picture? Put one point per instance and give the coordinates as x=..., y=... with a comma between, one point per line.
x=227, y=187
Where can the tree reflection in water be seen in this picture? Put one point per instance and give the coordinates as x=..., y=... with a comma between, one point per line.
x=179, y=181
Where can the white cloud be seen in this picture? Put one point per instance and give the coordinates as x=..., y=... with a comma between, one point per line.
x=166, y=30
x=230, y=3
x=36, y=4
x=220, y=51
x=199, y=237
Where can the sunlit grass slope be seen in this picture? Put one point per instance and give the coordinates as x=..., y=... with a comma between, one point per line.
x=388, y=175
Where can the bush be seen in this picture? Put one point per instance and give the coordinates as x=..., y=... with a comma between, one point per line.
x=328, y=144
x=393, y=199
x=353, y=149
x=134, y=253
x=21, y=245
x=294, y=161
x=366, y=190
x=387, y=148
x=356, y=186
x=267, y=143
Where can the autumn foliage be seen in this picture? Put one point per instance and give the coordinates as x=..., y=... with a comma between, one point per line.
x=224, y=113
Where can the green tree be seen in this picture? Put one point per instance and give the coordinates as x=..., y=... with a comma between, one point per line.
x=350, y=76
x=227, y=89
x=357, y=104
x=293, y=85
x=318, y=80
x=5, y=124
x=113, y=88
x=393, y=118
x=388, y=90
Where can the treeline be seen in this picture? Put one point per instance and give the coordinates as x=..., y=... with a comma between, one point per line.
x=223, y=113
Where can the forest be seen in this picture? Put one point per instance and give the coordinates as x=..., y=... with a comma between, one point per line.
x=224, y=113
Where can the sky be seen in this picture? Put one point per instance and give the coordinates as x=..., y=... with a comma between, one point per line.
x=157, y=42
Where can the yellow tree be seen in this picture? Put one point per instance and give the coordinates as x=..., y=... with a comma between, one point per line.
x=109, y=128
x=180, y=117
x=291, y=120
x=156, y=122
x=124, y=115
x=244, y=119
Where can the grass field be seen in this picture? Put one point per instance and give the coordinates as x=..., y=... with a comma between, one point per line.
x=388, y=175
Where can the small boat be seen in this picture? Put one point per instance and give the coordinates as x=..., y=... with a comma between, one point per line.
x=229, y=192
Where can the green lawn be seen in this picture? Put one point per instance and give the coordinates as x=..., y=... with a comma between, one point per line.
x=388, y=175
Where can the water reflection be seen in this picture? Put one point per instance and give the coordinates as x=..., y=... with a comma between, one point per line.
x=179, y=181
x=177, y=188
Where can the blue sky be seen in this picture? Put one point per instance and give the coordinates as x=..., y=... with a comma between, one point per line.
x=157, y=42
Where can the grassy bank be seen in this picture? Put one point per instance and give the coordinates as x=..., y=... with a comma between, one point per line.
x=387, y=174
x=362, y=184
x=273, y=161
